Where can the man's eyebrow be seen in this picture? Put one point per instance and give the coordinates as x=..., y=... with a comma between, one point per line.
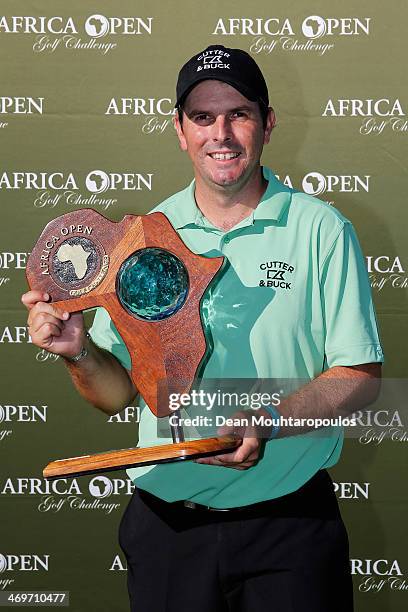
x=196, y=111
x=248, y=109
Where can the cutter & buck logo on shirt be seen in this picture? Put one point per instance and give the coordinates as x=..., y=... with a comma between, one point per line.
x=276, y=274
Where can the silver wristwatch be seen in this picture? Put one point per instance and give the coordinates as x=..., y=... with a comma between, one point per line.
x=81, y=355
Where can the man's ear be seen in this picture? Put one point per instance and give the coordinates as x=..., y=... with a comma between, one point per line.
x=270, y=124
x=180, y=135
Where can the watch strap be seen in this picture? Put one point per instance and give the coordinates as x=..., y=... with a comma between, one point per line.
x=273, y=412
x=82, y=354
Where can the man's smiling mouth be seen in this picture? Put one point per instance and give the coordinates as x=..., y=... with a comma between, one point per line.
x=224, y=156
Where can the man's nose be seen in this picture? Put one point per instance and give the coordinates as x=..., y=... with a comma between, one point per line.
x=221, y=129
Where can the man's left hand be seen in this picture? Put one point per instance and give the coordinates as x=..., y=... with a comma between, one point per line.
x=247, y=454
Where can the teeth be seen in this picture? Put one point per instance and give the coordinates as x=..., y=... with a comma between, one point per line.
x=222, y=156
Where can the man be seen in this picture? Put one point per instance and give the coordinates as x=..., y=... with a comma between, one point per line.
x=258, y=528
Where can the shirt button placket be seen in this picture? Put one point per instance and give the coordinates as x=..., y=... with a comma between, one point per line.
x=224, y=241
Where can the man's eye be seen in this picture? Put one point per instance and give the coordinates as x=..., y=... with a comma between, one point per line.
x=202, y=118
x=239, y=115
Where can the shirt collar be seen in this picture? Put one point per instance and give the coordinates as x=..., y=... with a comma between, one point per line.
x=186, y=212
x=275, y=200
x=271, y=206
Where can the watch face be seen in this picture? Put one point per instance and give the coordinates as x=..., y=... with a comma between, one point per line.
x=152, y=284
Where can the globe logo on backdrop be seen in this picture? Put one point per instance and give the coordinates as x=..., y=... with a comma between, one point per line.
x=96, y=26
x=100, y=486
x=314, y=26
x=314, y=183
x=3, y=563
x=97, y=181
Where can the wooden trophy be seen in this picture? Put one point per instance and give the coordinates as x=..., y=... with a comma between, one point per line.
x=151, y=284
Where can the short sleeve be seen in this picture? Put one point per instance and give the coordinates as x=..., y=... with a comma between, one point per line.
x=104, y=333
x=351, y=333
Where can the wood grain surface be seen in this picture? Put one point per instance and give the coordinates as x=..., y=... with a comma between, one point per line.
x=133, y=457
x=165, y=354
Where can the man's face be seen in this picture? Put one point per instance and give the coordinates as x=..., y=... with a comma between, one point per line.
x=223, y=134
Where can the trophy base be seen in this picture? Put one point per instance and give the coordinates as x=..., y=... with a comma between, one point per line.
x=133, y=457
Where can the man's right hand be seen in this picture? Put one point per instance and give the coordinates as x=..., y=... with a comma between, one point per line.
x=100, y=378
x=54, y=330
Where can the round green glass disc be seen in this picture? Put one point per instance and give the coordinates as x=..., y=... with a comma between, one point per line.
x=152, y=284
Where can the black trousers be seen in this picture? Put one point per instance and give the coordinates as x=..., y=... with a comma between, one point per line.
x=286, y=555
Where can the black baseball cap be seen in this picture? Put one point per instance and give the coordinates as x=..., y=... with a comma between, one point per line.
x=232, y=66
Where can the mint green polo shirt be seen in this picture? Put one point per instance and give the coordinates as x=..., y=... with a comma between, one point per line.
x=293, y=300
